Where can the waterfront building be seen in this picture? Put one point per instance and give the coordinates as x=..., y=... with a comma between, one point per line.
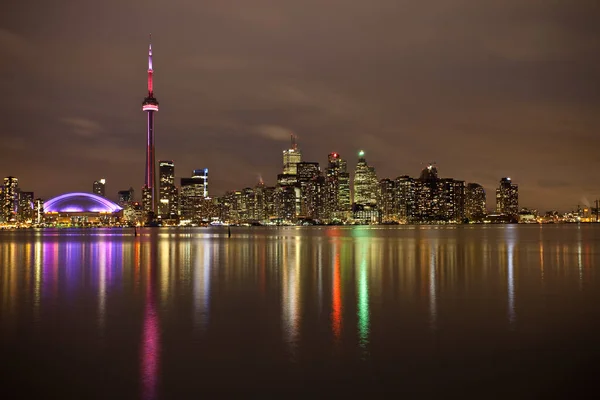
x=387, y=200
x=405, y=198
x=38, y=211
x=193, y=191
x=10, y=199
x=507, y=197
x=475, y=202
x=25, y=211
x=437, y=200
x=311, y=190
x=168, y=201
x=337, y=202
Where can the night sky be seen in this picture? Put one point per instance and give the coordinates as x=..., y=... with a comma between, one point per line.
x=485, y=89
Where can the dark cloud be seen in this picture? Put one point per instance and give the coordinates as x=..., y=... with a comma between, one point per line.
x=485, y=89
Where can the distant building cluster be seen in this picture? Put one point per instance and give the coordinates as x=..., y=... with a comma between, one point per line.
x=303, y=195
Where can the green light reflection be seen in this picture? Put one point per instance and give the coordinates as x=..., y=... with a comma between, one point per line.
x=363, y=301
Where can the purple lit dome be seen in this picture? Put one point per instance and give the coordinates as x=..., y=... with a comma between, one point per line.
x=80, y=202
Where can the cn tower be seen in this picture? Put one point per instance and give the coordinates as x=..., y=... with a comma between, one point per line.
x=150, y=106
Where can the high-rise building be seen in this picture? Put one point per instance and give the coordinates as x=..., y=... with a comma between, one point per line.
x=507, y=197
x=291, y=157
x=10, y=199
x=405, y=198
x=475, y=202
x=337, y=189
x=25, y=207
x=365, y=182
x=99, y=187
x=452, y=200
x=437, y=200
x=38, y=211
x=259, y=199
x=285, y=203
x=150, y=106
x=202, y=176
x=167, y=207
x=311, y=190
x=126, y=197
x=193, y=191
x=387, y=200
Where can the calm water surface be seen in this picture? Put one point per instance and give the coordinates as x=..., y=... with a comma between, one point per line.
x=472, y=311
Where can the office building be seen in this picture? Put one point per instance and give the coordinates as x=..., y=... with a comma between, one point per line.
x=193, y=191
x=168, y=204
x=99, y=187
x=291, y=157
x=365, y=182
x=475, y=202
x=26, y=206
x=10, y=199
x=126, y=197
x=507, y=197
x=337, y=202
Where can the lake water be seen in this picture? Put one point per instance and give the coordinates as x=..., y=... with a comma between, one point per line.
x=500, y=311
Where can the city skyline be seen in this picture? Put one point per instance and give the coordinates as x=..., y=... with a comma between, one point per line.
x=233, y=98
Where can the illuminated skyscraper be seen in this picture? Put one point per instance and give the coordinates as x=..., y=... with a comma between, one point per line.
x=99, y=187
x=437, y=200
x=126, y=197
x=387, y=200
x=474, y=202
x=38, y=211
x=291, y=158
x=405, y=198
x=507, y=197
x=365, y=182
x=10, y=199
x=193, y=191
x=311, y=190
x=337, y=188
x=167, y=207
x=150, y=106
x=26, y=206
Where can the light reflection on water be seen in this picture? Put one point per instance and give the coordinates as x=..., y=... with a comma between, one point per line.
x=301, y=294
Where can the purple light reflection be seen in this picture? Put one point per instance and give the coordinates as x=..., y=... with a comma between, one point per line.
x=150, y=352
x=150, y=346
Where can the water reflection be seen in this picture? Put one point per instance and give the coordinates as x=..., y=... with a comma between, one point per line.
x=201, y=270
x=511, y=283
x=362, y=286
x=150, y=348
x=432, y=286
x=296, y=294
x=291, y=312
x=336, y=301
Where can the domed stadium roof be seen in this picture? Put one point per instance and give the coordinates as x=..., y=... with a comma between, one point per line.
x=80, y=202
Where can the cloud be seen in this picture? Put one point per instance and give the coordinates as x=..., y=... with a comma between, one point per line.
x=83, y=126
x=487, y=89
x=274, y=132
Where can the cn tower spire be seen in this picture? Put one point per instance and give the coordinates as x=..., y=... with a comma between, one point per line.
x=150, y=71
